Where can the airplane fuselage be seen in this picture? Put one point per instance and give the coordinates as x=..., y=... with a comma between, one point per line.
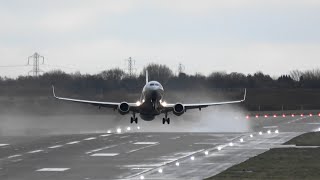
x=151, y=98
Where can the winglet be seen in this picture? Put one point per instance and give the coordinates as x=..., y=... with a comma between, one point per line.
x=53, y=92
x=245, y=95
x=147, y=77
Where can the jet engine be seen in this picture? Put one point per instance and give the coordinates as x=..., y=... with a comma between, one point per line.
x=178, y=109
x=123, y=108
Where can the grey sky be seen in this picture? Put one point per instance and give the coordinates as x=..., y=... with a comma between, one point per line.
x=205, y=35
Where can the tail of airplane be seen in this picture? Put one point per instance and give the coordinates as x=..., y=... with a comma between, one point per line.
x=147, y=77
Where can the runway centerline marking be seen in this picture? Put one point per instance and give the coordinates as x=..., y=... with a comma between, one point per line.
x=91, y=138
x=14, y=156
x=52, y=169
x=73, y=142
x=267, y=127
x=104, y=154
x=145, y=143
x=1, y=145
x=134, y=150
x=54, y=147
x=35, y=151
x=100, y=149
x=105, y=135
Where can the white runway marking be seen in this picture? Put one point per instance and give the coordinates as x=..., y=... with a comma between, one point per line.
x=14, y=156
x=100, y=149
x=104, y=154
x=105, y=135
x=91, y=138
x=53, y=169
x=54, y=147
x=145, y=143
x=35, y=151
x=134, y=150
x=73, y=142
x=1, y=145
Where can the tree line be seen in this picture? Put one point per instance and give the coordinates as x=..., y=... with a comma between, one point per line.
x=118, y=80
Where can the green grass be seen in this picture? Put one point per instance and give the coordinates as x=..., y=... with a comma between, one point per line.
x=281, y=163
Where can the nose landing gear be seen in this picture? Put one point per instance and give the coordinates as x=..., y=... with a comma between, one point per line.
x=134, y=119
x=166, y=119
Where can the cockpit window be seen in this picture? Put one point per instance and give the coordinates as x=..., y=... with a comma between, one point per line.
x=152, y=84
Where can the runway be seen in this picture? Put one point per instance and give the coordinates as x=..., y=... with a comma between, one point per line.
x=133, y=154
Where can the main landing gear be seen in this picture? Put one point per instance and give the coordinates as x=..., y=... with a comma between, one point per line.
x=166, y=119
x=134, y=119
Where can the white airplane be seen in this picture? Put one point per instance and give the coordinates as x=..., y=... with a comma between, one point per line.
x=150, y=104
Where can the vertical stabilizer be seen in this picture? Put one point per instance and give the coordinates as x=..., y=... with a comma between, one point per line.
x=147, y=77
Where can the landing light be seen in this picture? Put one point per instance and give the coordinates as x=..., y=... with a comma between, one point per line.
x=241, y=140
x=276, y=131
x=177, y=164
x=301, y=115
x=260, y=133
x=206, y=153
x=265, y=116
x=109, y=131
x=275, y=115
x=247, y=117
x=128, y=128
x=269, y=132
x=138, y=127
x=257, y=116
x=164, y=104
x=219, y=148
x=292, y=115
x=160, y=170
x=310, y=115
x=138, y=103
x=283, y=115
x=192, y=158
x=231, y=144
x=251, y=135
x=141, y=177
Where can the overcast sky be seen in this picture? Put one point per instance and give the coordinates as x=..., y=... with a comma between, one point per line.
x=274, y=36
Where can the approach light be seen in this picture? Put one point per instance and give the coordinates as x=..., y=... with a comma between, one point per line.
x=128, y=128
x=265, y=116
x=219, y=148
x=138, y=127
x=138, y=103
x=283, y=115
x=241, y=140
x=160, y=170
x=310, y=115
x=247, y=117
x=109, y=131
x=177, y=164
x=141, y=177
x=301, y=115
x=275, y=116
x=119, y=130
x=269, y=132
x=231, y=144
x=292, y=115
x=192, y=158
x=257, y=116
x=206, y=153
x=260, y=133
x=251, y=135
x=164, y=104
x=276, y=131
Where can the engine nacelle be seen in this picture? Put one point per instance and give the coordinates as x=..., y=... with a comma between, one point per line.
x=123, y=108
x=178, y=109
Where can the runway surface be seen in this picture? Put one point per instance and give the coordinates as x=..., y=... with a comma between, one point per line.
x=133, y=154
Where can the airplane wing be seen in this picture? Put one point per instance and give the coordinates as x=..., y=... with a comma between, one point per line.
x=113, y=105
x=204, y=105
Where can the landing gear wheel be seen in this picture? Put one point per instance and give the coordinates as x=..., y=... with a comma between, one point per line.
x=166, y=120
x=136, y=120
x=131, y=120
